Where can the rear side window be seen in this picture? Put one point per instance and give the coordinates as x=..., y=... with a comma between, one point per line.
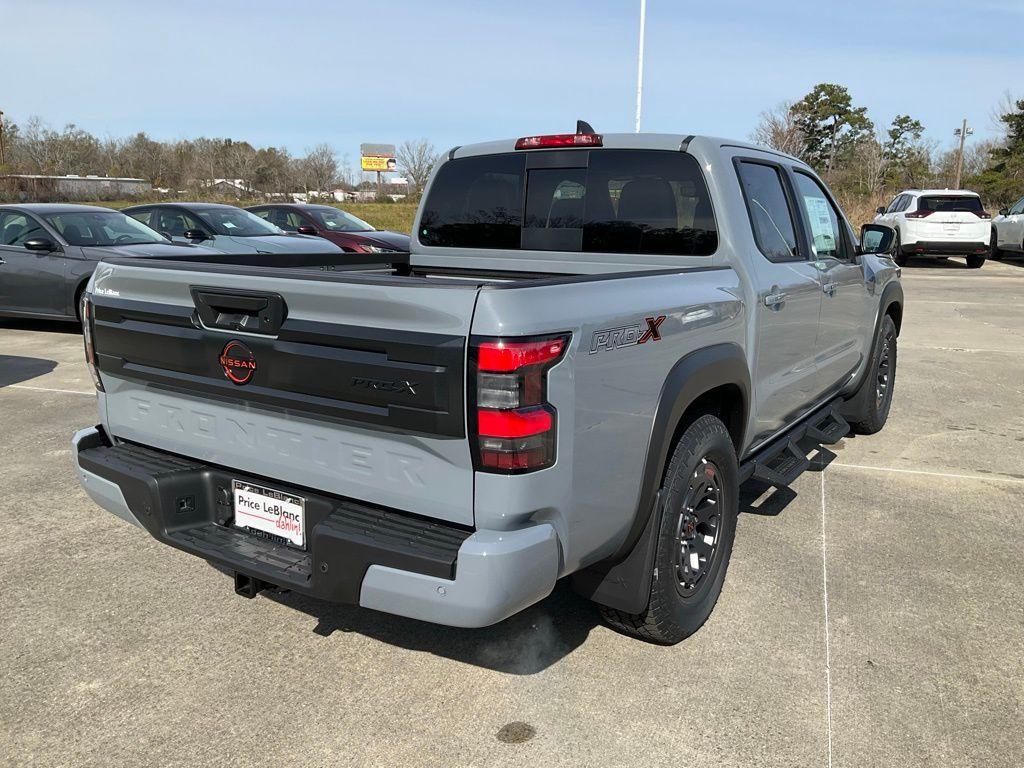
x=144, y=215
x=947, y=203
x=624, y=201
x=770, y=215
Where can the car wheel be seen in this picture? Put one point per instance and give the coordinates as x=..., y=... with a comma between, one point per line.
x=698, y=525
x=868, y=410
x=975, y=262
x=993, y=248
x=898, y=255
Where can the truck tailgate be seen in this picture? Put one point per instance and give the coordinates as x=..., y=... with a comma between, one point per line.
x=358, y=392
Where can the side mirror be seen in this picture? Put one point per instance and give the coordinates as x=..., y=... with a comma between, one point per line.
x=876, y=238
x=40, y=244
x=195, y=234
x=880, y=209
x=1004, y=211
x=306, y=229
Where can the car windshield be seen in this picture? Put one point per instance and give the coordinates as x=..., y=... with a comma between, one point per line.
x=101, y=228
x=236, y=222
x=334, y=220
x=947, y=203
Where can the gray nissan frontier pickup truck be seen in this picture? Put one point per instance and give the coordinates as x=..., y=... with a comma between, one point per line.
x=594, y=341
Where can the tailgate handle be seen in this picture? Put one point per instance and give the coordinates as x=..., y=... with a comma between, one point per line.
x=230, y=310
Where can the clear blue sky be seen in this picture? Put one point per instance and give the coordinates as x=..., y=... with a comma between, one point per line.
x=455, y=71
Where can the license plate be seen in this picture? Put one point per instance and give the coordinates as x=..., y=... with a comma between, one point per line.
x=951, y=227
x=272, y=513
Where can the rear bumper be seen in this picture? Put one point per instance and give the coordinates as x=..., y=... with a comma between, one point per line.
x=922, y=247
x=359, y=554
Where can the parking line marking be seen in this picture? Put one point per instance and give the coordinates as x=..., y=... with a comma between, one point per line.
x=995, y=478
x=906, y=345
x=47, y=389
x=828, y=651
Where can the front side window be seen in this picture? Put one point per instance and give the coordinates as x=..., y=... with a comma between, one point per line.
x=895, y=204
x=821, y=218
x=334, y=220
x=16, y=228
x=1018, y=207
x=175, y=222
x=105, y=228
x=623, y=201
x=235, y=222
x=770, y=215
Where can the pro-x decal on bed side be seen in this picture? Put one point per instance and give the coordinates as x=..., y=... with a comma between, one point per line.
x=627, y=335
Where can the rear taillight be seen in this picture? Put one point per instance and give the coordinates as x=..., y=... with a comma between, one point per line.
x=564, y=140
x=983, y=214
x=919, y=214
x=86, y=313
x=514, y=424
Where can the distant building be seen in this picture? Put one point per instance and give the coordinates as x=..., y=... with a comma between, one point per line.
x=38, y=188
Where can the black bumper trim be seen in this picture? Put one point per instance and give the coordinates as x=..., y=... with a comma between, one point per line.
x=943, y=247
x=188, y=505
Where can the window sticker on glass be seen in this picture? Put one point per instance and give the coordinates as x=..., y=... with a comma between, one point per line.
x=819, y=215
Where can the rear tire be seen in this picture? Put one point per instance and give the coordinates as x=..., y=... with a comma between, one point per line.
x=975, y=262
x=994, y=251
x=701, y=502
x=868, y=410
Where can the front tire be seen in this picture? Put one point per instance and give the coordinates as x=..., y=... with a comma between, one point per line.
x=868, y=410
x=898, y=255
x=698, y=525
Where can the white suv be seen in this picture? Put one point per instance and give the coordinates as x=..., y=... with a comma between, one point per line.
x=1008, y=230
x=938, y=222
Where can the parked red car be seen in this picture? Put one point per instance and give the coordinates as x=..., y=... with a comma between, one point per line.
x=343, y=229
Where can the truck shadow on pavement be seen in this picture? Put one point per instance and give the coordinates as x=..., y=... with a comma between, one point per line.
x=43, y=326
x=524, y=644
x=15, y=369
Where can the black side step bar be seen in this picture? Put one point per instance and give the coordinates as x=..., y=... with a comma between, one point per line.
x=784, y=459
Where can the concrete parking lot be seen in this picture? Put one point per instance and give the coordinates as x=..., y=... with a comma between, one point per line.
x=874, y=617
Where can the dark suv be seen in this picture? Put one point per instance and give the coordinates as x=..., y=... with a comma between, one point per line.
x=343, y=229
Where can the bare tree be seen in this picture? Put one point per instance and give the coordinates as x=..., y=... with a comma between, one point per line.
x=319, y=168
x=417, y=159
x=777, y=129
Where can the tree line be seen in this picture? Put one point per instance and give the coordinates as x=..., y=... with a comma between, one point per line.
x=841, y=142
x=36, y=148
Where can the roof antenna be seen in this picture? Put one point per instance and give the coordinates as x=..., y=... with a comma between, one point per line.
x=582, y=126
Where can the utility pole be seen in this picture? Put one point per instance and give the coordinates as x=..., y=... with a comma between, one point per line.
x=640, y=64
x=2, y=157
x=963, y=132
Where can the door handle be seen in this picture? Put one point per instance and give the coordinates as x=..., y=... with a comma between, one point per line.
x=2, y=262
x=830, y=288
x=774, y=299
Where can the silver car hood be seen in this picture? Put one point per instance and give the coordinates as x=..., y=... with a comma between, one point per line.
x=148, y=250
x=286, y=244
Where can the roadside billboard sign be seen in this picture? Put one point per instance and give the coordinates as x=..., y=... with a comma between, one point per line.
x=377, y=157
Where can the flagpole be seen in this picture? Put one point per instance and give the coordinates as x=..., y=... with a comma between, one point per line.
x=640, y=64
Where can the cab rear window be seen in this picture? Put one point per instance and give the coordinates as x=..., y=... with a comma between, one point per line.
x=946, y=203
x=610, y=201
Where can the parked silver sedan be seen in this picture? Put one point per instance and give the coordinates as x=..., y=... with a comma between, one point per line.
x=48, y=252
x=225, y=228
